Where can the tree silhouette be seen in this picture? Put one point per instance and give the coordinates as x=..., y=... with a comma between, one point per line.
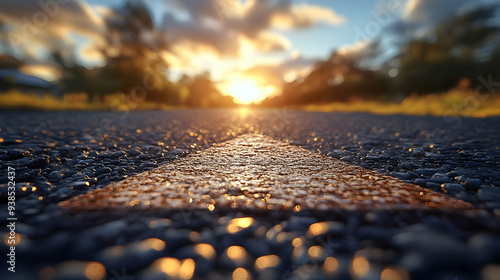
x=450, y=52
x=465, y=46
x=134, y=61
x=204, y=93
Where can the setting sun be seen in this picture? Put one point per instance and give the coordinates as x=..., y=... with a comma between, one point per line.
x=246, y=90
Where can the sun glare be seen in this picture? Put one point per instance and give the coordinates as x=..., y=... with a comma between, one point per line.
x=246, y=90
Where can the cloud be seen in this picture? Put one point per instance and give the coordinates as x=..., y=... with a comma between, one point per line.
x=102, y=11
x=237, y=36
x=420, y=16
x=260, y=81
x=194, y=34
x=305, y=15
x=270, y=42
x=224, y=25
x=90, y=54
x=48, y=23
x=430, y=12
x=356, y=48
x=275, y=74
x=43, y=71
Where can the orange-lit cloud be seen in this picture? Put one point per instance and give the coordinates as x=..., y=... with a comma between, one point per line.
x=305, y=15
x=354, y=49
x=263, y=80
x=90, y=53
x=221, y=23
x=277, y=74
x=270, y=42
x=46, y=72
x=237, y=36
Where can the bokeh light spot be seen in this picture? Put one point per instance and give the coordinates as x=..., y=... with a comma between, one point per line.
x=95, y=271
x=266, y=262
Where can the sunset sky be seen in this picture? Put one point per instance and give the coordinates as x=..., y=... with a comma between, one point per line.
x=248, y=46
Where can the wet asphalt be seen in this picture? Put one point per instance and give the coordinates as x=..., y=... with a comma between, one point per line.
x=59, y=155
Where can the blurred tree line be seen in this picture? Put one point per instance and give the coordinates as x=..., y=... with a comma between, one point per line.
x=133, y=65
x=462, y=48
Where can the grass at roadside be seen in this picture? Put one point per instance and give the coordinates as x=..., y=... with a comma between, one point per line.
x=14, y=99
x=453, y=103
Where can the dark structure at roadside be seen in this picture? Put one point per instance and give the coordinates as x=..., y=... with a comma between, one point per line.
x=14, y=79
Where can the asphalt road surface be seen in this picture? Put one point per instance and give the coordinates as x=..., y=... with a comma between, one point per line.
x=64, y=157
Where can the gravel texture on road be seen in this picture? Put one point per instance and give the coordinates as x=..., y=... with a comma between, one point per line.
x=58, y=156
x=255, y=172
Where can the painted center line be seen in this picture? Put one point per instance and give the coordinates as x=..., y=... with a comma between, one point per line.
x=256, y=172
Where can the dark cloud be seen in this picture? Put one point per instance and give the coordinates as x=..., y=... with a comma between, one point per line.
x=420, y=16
x=431, y=12
x=47, y=24
x=51, y=16
x=179, y=32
